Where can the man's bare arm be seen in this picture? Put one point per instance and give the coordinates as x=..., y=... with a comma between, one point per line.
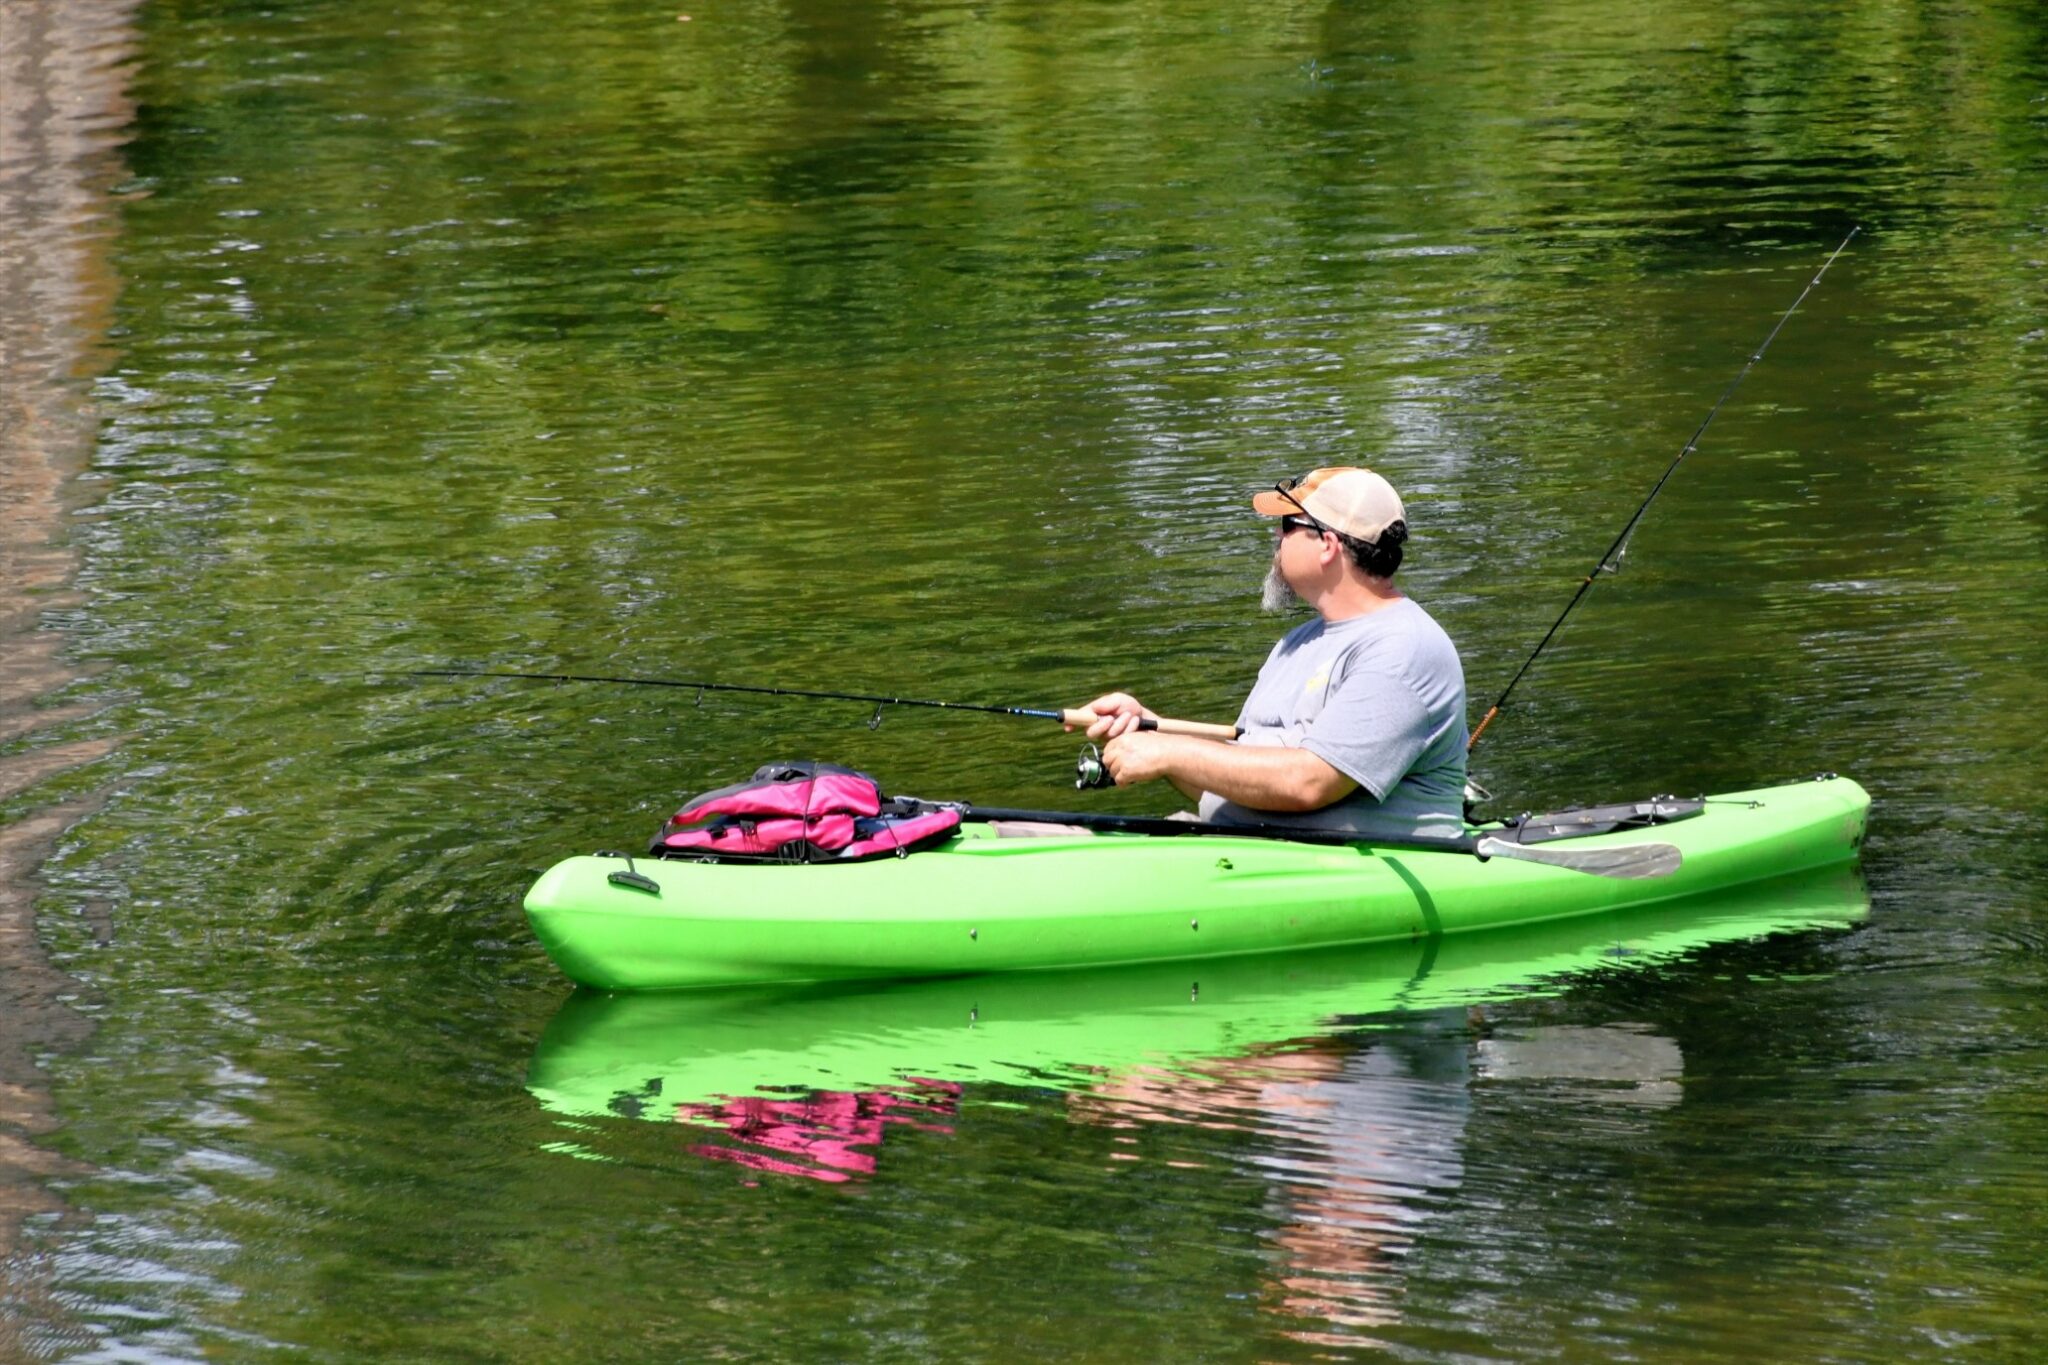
x=1261, y=778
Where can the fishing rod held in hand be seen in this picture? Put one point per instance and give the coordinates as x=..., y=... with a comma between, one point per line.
x=1076, y=718
x=1611, y=561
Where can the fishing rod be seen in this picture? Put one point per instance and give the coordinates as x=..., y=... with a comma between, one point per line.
x=1077, y=718
x=1611, y=561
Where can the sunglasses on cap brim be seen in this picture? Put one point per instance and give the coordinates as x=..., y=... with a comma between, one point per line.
x=1306, y=521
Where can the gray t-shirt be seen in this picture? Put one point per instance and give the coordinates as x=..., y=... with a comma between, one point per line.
x=1380, y=698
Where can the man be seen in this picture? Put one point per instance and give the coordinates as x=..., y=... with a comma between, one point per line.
x=1357, y=720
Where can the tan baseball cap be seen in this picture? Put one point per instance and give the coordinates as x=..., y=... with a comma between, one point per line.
x=1352, y=501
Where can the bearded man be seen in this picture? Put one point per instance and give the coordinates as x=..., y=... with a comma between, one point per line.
x=1357, y=720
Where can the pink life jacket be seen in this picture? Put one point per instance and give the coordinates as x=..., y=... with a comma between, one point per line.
x=800, y=812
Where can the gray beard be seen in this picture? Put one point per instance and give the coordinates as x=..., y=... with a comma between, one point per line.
x=1275, y=595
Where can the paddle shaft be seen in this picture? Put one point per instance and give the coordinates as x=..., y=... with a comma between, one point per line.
x=1159, y=824
x=1626, y=862
x=1079, y=719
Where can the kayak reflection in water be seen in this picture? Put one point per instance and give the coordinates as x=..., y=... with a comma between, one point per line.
x=1362, y=1145
x=1362, y=1138
x=1357, y=720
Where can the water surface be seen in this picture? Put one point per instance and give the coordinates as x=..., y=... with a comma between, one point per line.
x=936, y=348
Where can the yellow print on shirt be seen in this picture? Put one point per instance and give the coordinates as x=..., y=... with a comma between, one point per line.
x=1321, y=677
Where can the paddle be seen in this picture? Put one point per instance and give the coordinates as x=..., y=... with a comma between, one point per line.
x=1628, y=862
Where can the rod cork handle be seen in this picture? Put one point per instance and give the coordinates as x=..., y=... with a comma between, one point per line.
x=1473, y=742
x=1081, y=720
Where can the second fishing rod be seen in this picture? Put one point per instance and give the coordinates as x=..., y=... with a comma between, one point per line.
x=1610, y=562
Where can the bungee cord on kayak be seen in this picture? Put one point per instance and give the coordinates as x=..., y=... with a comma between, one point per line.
x=1610, y=562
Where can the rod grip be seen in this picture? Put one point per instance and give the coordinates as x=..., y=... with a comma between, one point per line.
x=1081, y=720
x=1198, y=728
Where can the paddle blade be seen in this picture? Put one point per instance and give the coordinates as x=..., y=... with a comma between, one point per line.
x=1630, y=862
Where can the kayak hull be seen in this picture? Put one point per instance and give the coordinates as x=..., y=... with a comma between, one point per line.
x=981, y=904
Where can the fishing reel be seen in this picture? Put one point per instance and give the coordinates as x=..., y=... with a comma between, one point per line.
x=1090, y=771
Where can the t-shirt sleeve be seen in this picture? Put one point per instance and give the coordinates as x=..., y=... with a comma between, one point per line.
x=1372, y=728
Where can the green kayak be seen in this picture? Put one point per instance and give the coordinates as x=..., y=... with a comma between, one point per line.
x=980, y=903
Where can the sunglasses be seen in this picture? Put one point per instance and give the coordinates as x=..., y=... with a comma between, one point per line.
x=1304, y=522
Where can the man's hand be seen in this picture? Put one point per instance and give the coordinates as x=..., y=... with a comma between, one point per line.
x=1116, y=713
x=1145, y=756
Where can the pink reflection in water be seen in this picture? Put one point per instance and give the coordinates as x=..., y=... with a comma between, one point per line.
x=827, y=1135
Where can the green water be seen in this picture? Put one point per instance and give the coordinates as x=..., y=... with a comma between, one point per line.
x=935, y=349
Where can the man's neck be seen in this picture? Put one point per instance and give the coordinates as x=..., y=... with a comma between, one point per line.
x=1357, y=596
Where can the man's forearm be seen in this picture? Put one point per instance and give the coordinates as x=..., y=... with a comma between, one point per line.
x=1256, y=777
